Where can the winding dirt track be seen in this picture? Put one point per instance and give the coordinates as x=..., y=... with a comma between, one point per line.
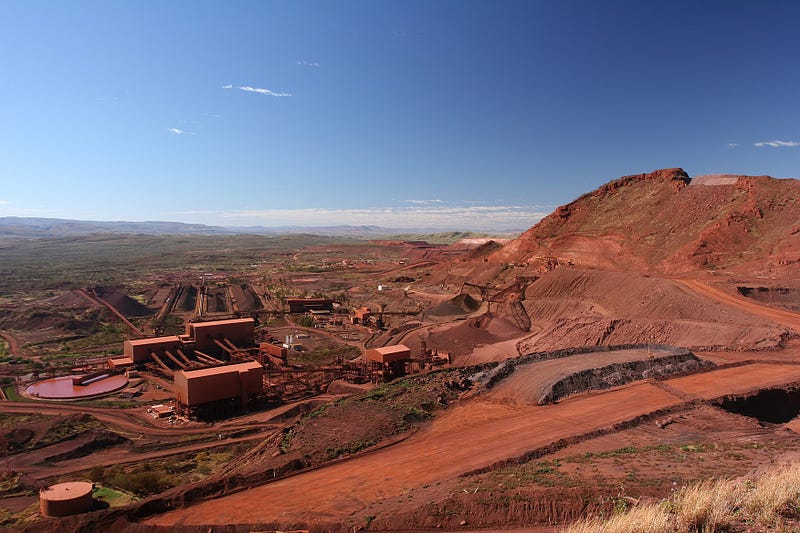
x=13, y=343
x=471, y=436
x=477, y=434
x=781, y=316
x=116, y=417
x=31, y=463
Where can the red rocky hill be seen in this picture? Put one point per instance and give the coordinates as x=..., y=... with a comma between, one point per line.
x=666, y=222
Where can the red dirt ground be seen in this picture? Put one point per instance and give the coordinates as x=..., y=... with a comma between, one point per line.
x=494, y=431
x=736, y=380
x=577, y=307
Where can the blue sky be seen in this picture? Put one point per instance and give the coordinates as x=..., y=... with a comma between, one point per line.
x=440, y=114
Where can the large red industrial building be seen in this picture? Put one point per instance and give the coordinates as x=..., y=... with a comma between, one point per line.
x=219, y=391
x=239, y=331
x=218, y=339
x=140, y=350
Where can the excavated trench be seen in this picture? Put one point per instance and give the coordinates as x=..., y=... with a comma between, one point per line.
x=773, y=406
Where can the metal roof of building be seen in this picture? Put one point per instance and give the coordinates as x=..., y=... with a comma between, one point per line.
x=153, y=340
x=217, y=370
x=387, y=350
x=197, y=325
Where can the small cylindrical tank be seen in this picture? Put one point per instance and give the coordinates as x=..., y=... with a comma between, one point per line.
x=64, y=499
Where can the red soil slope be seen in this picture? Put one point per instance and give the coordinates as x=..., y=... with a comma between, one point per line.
x=576, y=307
x=662, y=222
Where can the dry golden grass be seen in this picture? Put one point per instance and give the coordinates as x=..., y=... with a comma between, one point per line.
x=772, y=493
x=644, y=519
x=707, y=506
x=710, y=506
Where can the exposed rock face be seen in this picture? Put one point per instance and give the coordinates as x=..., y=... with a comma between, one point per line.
x=664, y=222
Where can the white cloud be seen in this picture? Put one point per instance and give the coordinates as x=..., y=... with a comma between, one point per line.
x=312, y=64
x=178, y=131
x=4, y=202
x=733, y=145
x=425, y=202
x=777, y=144
x=438, y=217
x=258, y=90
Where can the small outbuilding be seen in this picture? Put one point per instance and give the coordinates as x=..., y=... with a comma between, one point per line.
x=361, y=315
x=390, y=354
x=390, y=361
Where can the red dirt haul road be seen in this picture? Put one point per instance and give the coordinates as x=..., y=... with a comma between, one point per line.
x=736, y=380
x=473, y=435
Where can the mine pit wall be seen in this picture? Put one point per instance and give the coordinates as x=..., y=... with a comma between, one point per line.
x=772, y=406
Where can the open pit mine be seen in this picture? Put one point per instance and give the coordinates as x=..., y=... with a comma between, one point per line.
x=639, y=339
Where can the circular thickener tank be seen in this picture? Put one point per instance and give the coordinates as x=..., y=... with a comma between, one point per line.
x=65, y=387
x=66, y=499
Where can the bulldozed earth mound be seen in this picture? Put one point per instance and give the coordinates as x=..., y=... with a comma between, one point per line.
x=463, y=304
x=543, y=378
x=665, y=222
x=122, y=302
x=577, y=307
x=44, y=322
x=465, y=337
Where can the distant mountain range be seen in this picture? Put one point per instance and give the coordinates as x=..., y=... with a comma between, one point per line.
x=32, y=228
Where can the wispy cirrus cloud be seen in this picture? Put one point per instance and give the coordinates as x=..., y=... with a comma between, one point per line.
x=178, y=131
x=434, y=217
x=4, y=202
x=425, y=202
x=733, y=145
x=258, y=90
x=777, y=144
x=310, y=64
